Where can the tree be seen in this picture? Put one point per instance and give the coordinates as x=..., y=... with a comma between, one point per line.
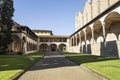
x=6, y=23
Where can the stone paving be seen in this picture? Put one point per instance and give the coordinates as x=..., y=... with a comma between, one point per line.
x=56, y=67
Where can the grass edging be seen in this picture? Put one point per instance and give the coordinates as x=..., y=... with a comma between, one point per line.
x=19, y=74
x=88, y=69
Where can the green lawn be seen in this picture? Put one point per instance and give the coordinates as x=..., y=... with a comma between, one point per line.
x=10, y=65
x=107, y=66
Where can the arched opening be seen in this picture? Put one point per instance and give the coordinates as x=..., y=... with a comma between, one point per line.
x=83, y=46
x=24, y=45
x=112, y=29
x=88, y=39
x=24, y=39
x=43, y=47
x=98, y=31
x=16, y=44
x=75, y=40
x=78, y=39
x=82, y=36
x=112, y=26
x=53, y=47
x=88, y=35
x=62, y=47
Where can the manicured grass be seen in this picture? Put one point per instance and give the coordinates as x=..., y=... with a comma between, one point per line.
x=10, y=65
x=107, y=66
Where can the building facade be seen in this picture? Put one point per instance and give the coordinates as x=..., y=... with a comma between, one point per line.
x=50, y=42
x=97, y=33
x=25, y=40
x=97, y=29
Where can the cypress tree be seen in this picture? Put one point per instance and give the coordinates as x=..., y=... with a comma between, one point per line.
x=6, y=23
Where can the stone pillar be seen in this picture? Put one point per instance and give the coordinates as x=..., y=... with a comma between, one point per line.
x=103, y=25
x=85, y=41
x=92, y=35
x=70, y=42
x=80, y=44
x=73, y=41
x=76, y=40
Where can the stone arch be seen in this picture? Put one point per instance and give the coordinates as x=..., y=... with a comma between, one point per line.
x=43, y=47
x=53, y=47
x=83, y=46
x=78, y=38
x=88, y=35
x=98, y=31
x=24, y=38
x=16, y=44
x=82, y=36
x=112, y=26
x=62, y=47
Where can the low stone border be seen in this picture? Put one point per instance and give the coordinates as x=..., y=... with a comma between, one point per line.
x=19, y=74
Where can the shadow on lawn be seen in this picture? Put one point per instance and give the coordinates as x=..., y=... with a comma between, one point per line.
x=80, y=59
x=52, y=60
x=16, y=62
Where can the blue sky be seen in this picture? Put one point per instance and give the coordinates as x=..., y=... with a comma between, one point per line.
x=55, y=15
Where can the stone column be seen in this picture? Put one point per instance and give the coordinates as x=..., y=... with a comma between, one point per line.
x=73, y=41
x=85, y=41
x=103, y=25
x=76, y=40
x=92, y=35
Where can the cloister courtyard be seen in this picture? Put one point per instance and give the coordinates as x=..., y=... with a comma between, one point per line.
x=92, y=52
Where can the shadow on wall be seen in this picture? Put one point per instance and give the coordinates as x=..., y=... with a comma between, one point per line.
x=86, y=49
x=109, y=49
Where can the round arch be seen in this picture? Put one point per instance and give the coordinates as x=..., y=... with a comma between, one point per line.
x=112, y=28
x=78, y=39
x=53, y=47
x=24, y=38
x=43, y=47
x=98, y=31
x=82, y=36
x=16, y=44
x=62, y=47
x=88, y=34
